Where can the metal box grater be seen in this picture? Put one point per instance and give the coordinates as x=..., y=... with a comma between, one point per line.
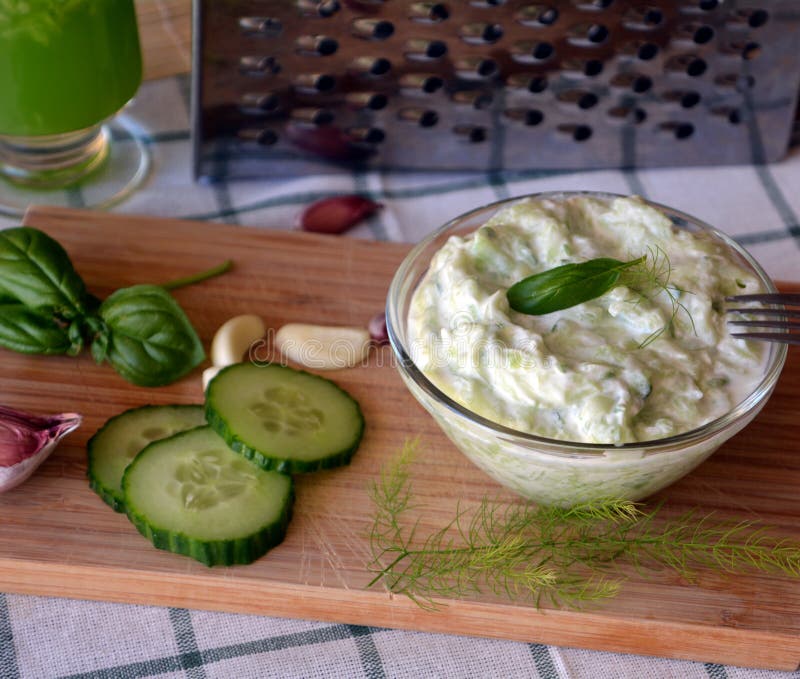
x=291, y=87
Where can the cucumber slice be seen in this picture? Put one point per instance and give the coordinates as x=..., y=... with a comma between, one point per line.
x=192, y=495
x=284, y=419
x=118, y=441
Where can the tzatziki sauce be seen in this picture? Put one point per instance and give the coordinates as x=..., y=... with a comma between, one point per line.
x=631, y=365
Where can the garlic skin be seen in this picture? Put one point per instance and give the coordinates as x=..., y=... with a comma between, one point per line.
x=26, y=440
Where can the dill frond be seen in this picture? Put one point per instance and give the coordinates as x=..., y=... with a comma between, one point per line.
x=567, y=556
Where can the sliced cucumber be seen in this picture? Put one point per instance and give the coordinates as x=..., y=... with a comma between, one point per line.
x=284, y=419
x=191, y=494
x=118, y=441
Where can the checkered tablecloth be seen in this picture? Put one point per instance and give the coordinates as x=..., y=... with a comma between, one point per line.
x=46, y=637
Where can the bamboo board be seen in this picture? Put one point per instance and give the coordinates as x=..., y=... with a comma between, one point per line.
x=57, y=538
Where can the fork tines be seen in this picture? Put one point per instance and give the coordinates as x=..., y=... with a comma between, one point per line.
x=781, y=318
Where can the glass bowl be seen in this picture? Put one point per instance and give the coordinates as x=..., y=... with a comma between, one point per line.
x=552, y=471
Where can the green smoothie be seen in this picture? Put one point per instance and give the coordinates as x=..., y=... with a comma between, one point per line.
x=65, y=64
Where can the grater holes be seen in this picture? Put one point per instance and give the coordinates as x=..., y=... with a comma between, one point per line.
x=254, y=65
x=428, y=12
x=586, y=35
x=262, y=26
x=374, y=101
x=268, y=102
x=597, y=33
x=372, y=29
x=751, y=51
x=627, y=114
x=537, y=15
x=533, y=117
x=679, y=130
x=367, y=135
x=641, y=84
x=262, y=137
x=532, y=52
x=534, y=84
x=696, y=67
x=328, y=8
x=703, y=35
x=477, y=99
x=319, y=117
x=537, y=84
x=425, y=82
x=642, y=18
x=322, y=8
x=426, y=49
x=474, y=134
x=373, y=66
x=637, y=82
x=580, y=98
x=317, y=82
x=477, y=34
x=593, y=4
x=593, y=67
x=690, y=99
x=577, y=132
x=758, y=18
x=647, y=51
x=318, y=45
x=422, y=117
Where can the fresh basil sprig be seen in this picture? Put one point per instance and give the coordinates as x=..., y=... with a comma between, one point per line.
x=150, y=340
x=37, y=272
x=45, y=309
x=30, y=332
x=568, y=285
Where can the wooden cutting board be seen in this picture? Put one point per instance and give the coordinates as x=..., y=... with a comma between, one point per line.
x=57, y=538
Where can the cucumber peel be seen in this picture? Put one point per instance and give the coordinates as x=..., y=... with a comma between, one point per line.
x=284, y=419
x=191, y=494
x=118, y=441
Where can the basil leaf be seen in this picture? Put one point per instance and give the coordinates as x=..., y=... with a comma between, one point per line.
x=566, y=286
x=150, y=340
x=25, y=331
x=36, y=271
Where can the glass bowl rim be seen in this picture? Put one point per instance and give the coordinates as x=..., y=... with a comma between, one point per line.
x=758, y=395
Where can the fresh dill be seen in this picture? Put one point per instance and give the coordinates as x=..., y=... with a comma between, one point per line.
x=565, y=556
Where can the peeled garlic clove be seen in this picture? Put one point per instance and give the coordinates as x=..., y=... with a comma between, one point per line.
x=336, y=215
x=26, y=440
x=209, y=374
x=323, y=347
x=234, y=338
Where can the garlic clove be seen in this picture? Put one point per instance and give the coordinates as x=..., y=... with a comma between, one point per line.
x=26, y=440
x=235, y=337
x=336, y=215
x=209, y=374
x=323, y=347
x=377, y=329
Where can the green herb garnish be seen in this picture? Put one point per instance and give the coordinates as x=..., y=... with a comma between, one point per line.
x=567, y=556
x=46, y=309
x=568, y=285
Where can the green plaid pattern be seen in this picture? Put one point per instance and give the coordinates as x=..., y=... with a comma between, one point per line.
x=44, y=637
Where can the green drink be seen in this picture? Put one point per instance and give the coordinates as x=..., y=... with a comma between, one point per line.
x=66, y=66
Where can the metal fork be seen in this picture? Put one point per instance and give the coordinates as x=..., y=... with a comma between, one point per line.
x=779, y=315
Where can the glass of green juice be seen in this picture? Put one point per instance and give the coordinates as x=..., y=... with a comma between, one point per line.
x=67, y=67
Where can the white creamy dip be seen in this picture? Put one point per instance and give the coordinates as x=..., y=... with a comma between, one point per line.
x=585, y=373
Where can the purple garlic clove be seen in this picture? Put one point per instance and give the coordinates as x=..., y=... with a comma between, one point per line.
x=336, y=215
x=26, y=440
